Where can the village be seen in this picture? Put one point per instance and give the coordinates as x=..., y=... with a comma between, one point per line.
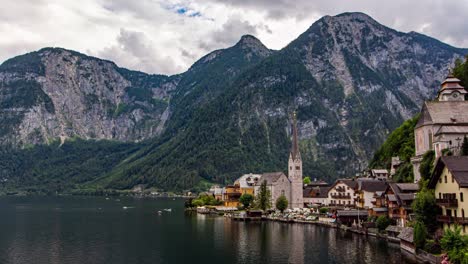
x=371, y=202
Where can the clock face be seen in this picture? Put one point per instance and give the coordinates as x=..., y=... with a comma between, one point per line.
x=455, y=95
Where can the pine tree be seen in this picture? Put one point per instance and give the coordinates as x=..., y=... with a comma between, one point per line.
x=263, y=198
x=464, y=147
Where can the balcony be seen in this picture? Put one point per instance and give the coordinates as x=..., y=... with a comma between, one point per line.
x=450, y=219
x=447, y=202
x=340, y=189
x=341, y=196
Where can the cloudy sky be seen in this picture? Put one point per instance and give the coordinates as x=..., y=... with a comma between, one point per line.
x=166, y=37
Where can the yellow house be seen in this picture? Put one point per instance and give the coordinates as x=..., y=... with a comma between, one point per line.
x=231, y=196
x=247, y=182
x=450, y=182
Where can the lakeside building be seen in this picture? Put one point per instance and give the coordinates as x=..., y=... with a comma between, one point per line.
x=442, y=124
x=247, y=183
x=399, y=197
x=316, y=195
x=379, y=204
x=381, y=174
x=365, y=191
x=450, y=183
x=342, y=193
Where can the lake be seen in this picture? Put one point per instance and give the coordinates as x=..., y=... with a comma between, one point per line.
x=128, y=230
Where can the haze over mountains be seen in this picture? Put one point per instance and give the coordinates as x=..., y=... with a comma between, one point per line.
x=350, y=79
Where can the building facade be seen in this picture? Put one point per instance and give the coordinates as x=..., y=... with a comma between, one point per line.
x=442, y=124
x=450, y=184
x=295, y=171
x=342, y=193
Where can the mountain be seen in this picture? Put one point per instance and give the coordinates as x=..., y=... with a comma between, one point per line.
x=350, y=79
x=57, y=93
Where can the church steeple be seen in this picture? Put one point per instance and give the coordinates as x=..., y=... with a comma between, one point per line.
x=451, y=90
x=295, y=154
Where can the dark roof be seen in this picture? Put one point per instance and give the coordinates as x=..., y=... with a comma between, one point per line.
x=270, y=177
x=372, y=186
x=457, y=166
x=392, y=228
x=406, y=234
x=351, y=213
x=320, y=191
x=408, y=187
x=407, y=196
x=295, y=154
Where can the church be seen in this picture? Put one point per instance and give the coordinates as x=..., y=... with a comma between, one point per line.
x=290, y=186
x=443, y=123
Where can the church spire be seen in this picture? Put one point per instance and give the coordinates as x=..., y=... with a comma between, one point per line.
x=295, y=147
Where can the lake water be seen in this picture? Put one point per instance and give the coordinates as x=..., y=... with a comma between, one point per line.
x=95, y=230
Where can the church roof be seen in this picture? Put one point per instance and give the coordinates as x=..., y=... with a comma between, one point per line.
x=295, y=146
x=270, y=178
x=444, y=112
x=455, y=129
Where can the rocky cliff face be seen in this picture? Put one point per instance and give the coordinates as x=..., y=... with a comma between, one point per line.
x=56, y=93
x=350, y=79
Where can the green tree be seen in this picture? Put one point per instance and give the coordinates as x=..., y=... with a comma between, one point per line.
x=197, y=202
x=427, y=164
x=246, y=199
x=263, y=198
x=382, y=222
x=461, y=71
x=464, y=147
x=455, y=244
x=281, y=203
x=323, y=210
x=307, y=180
x=420, y=234
x=426, y=209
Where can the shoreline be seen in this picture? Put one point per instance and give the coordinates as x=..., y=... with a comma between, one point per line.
x=419, y=257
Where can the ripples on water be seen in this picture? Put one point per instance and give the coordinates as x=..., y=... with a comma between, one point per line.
x=95, y=230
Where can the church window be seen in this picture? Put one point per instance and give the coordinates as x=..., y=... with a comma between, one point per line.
x=282, y=192
x=290, y=167
x=298, y=167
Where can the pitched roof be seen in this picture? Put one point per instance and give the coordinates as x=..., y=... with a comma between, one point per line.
x=404, y=187
x=295, y=154
x=455, y=129
x=372, y=186
x=407, y=196
x=444, y=112
x=319, y=191
x=392, y=228
x=406, y=234
x=457, y=166
x=270, y=177
x=248, y=180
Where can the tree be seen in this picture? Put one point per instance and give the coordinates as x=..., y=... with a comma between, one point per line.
x=281, y=203
x=455, y=244
x=420, y=234
x=246, y=199
x=263, y=199
x=461, y=71
x=426, y=209
x=427, y=164
x=307, y=180
x=197, y=202
x=382, y=222
x=464, y=147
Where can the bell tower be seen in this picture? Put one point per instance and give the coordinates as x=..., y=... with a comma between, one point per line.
x=295, y=170
x=451, y=90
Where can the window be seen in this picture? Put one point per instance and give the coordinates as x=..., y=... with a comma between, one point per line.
x=298, y=167
x=440, y=180
x=445, y=178
x=455, y=213
x=452, y=179
x=463, y=213
x=282, y=192
x=349, y=202
x=440, y=196
x=430, y=140
x=461, y=197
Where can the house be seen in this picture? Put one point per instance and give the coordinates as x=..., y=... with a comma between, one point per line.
x=379, y=174
x=442, y=124
x=399, y=197
x=366, y=189
x=315, y=195
x=231, y=196
x=247, y=183
x=396, y=162
x=217, y=192
x=450, y=183
x=407, y=240
x=379, y=204
x=342, y=193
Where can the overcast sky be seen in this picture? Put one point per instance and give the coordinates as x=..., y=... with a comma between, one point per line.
x=168, y=36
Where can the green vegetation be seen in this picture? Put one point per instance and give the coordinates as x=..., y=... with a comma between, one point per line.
x=246, y=199
x=456, y=245
x=420, y=234
x=307, y=180
x=427, y=165
x=426, y=209
x=323, y=210
x=382, y=222
x=263, y=199
x=461, y=71
x=281, y=203
x=206, y=199
x=464, y=149
x=47, y=169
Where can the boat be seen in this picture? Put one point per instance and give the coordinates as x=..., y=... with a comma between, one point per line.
x=168, y=210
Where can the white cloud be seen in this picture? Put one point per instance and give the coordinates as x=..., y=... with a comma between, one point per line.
x=168, y=36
